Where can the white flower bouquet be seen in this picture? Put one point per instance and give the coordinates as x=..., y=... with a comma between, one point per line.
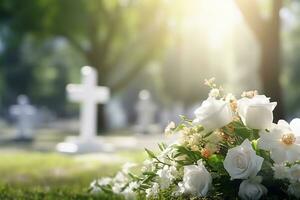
x=232, y=149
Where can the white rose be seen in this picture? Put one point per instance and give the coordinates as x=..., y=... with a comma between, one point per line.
x=196, y=180
x=242, y=162
x=251, y=189
x=257, y=112
x=213, y=114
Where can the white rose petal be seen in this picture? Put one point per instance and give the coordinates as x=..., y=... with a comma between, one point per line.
x=196, y=180
x=241, y=162
x=213, y=114
x=257, y=112
x=251, y=189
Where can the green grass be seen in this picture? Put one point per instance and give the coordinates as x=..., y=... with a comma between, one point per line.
x=26, y=175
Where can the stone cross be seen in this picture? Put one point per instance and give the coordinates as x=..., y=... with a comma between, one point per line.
x=24, y=112
x=88, y=94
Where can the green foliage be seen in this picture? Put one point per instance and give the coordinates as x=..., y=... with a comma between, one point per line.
x=95, y=32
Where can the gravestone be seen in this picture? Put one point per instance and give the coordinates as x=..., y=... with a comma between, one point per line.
x=24, y=114
x=88, y=94
x=146, y=111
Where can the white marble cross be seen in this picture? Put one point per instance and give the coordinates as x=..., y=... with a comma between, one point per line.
x=24, y=112
x=89, y=95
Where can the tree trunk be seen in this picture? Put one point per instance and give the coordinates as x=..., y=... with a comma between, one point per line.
x=267, y=32
x=270, y=68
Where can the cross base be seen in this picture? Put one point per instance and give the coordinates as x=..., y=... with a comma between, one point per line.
x=78, y=145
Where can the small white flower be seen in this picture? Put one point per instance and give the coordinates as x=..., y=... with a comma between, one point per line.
x=129, y=191
x=169, y=128
x=294, y=173
x=166, y=175
x=119, y=182
x=101, y=182
x=153, y=191
x=196, y=180
x=294, y=189
x=283, y=141
x=94, y=188
x=120, y=177
x=213, y=114
x=280, y=171
x=251, y=189
x=117, y=188
x=148, y=166
x=163, y=156
x=257, y=112
x=127, y=167
x=241, y=162
x=214, y=93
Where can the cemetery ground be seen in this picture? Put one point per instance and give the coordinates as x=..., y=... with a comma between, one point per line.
x=36, y=171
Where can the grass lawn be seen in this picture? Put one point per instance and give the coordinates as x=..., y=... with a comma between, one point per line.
x=27, y=175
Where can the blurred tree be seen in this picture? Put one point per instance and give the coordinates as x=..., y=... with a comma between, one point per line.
x=267, y=32
x=291, y=47
x=118, y=37
x=17, y=75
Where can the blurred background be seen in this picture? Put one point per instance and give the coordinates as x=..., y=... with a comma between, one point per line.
x=158, y=50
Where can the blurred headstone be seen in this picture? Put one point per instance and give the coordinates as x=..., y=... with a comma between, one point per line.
x=44, y=117
x=171, y=113
x=146, y=111
x=115, y=114
x=88, y=94
x=24, y=113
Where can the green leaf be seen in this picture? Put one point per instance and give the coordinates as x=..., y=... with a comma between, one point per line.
x=243, y=132
x=150, y=153
x=179, y=127
x=149, y=173
x=216, y=162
